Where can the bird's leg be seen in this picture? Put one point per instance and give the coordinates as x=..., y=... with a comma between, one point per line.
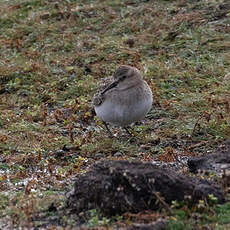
x=127, y=130
x=107, y=128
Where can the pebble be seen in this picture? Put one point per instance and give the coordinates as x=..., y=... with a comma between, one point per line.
x=118, y=154
x=99, y=155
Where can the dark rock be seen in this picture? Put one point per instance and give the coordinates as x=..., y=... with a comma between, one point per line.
x=2, y=90
x=59, y=153
x=130, y=42
x=87, y=69
x=52, y=208
x=116, y=187
x=211, y=162
x=99, y=155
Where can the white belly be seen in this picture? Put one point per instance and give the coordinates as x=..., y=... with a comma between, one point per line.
x=123, y=115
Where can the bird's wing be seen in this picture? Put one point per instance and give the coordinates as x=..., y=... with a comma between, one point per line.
x=98, y=96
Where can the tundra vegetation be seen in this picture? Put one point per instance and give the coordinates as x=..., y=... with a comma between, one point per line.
x=52, y=57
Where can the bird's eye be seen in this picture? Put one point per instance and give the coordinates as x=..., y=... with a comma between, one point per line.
x=123, y=77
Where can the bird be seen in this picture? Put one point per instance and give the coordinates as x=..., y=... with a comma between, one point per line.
x=123, y=98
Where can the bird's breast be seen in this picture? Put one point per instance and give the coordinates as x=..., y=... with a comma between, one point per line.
x=122, y=109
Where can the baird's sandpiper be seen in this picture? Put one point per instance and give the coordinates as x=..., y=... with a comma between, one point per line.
x=123, y=98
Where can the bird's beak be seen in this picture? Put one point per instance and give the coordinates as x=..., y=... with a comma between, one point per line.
x=112, y=85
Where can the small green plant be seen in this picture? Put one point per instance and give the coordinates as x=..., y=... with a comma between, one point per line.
x=201, y=214
x=95, y=219
x=212, y=199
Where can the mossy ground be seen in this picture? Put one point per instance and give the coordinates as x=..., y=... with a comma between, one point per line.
x=52, y=57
